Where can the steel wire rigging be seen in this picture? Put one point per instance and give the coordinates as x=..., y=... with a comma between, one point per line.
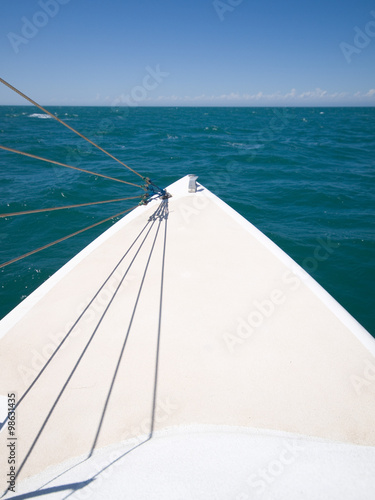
x=40, y=210
x=69, y=166
x=28, y=254
x=68, y=126
x=161, y=214
x=150, y=189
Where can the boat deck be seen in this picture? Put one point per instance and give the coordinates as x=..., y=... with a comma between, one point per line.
x=183, y=334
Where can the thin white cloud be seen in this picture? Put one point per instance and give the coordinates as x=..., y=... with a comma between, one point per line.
x=293, y=97
x=316, y=96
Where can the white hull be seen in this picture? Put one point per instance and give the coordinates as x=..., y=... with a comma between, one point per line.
x=223, y=344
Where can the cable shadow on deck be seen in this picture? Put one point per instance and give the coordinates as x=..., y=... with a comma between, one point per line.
x=53, y=490
x=162, y=215
x=76, y=322
x=150, y=222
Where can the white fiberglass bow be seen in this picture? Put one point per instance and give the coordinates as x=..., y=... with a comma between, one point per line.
x=183, y=355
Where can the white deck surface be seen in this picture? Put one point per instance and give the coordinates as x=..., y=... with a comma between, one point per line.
x=251, y=356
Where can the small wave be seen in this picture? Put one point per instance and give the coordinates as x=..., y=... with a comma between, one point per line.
x=39, y=115
x=241, y=145
x=14, y=115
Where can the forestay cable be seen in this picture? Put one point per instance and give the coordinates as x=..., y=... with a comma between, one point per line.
x=26, y=212
x=69, y=166
x=64, y=238
x=68, y=126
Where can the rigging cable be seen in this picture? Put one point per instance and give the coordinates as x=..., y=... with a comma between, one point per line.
x=20, y=467
x=69, y=166
x=100, y=289
x=25, y=212
x=68, y=126
x=154, y=189
x=64, y=238
x=149, y=187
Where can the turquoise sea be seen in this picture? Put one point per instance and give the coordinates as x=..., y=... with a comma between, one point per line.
x=303, y=176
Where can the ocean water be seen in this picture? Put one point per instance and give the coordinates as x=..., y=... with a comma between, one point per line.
x=303, y=176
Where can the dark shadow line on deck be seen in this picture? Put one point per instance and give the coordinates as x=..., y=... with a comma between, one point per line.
x=92, y=478
x=162, y=215
x=159, y=324
x=2, y=424
x=152, y=219
x=53, y=489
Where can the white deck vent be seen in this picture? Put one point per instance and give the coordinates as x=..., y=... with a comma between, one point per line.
x=192, y=188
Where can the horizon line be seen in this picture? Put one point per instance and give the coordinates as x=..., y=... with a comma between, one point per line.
x=325, y=105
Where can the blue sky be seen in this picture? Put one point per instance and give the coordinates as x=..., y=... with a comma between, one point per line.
x=189, y=52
